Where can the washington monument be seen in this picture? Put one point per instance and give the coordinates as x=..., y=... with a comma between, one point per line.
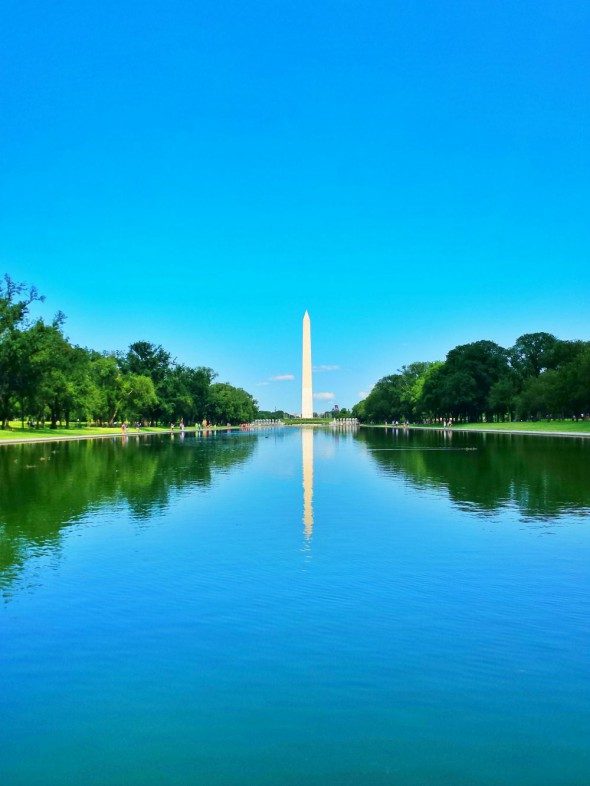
x=306, y=384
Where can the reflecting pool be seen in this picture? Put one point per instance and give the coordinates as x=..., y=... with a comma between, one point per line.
x=296, y=606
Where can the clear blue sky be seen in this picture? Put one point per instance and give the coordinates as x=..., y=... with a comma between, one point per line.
x=197, y=174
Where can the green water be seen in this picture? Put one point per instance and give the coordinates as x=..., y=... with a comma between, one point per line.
x=296, y=607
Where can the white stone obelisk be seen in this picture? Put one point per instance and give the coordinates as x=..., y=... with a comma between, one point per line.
x=306, y=383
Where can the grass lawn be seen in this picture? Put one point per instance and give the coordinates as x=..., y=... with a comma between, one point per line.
x=575, y=427
x=17, y=432
x=529, y=425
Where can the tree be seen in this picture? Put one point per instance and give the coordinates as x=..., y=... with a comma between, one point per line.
x=14, y=311
x=461, y=386
x=146, y=359
x=385, y=401
x=338, y=413
x=119, y=395
x=267, y=414
x=184, y=391
x=532, y=353
x=540, y=376
x=539, y=397
x=150, y=360
x=413, y=378
x=228, y=404
x=576, y=383
x=503, y=396
x=61, y=373
x=359, y=411
x=566, y=352
x=15, y=302
x=138, y=396
x=42, y=375
x=108, y=388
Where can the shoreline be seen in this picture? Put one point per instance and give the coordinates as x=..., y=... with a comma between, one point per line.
x=80, y=437
x=192, y=430
x=463, y=430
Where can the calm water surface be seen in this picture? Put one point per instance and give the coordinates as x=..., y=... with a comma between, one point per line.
x=296, y=606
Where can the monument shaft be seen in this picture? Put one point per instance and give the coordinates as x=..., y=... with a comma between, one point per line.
x=306, y=383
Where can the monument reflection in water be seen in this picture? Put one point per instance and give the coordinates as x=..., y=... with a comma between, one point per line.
x=307, y=460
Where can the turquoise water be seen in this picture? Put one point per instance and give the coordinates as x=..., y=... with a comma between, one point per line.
x=296, y=607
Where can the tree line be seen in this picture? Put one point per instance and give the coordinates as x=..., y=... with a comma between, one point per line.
x=539, y=377
x=45, y=378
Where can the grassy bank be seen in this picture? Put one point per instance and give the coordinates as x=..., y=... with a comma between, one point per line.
x=580, y=426
x=18, y=434
x=528, y=426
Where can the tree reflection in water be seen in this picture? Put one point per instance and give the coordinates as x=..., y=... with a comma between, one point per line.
x=46, y=487
x=543, y=477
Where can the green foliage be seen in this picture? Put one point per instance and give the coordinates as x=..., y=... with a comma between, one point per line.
x=45, y=377
x=228, y=404
x=540, y=376
x=107, y=392
x=339, y=414
x=384, y=402
x=147, y=360
x=559, y=392
x=359, y=411
x=503, y=394
x=267, y=414
x=462, y=385
x=183, y=393
x=532, y=353
x=397, y=397
x=15, y=301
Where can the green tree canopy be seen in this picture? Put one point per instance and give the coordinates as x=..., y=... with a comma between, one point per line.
x=44, y=376
x=228, y=404
x=532, y=353
x=461, y=386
